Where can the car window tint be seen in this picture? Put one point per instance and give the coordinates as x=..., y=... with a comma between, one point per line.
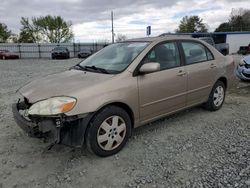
x=209, y=55
x=167, y=55
x=194, y=52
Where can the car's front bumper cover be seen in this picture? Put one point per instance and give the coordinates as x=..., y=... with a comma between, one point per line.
x=58, y=129
x=243, y=72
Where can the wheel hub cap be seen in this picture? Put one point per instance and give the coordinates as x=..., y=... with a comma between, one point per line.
x=111, y=133
x=218, y=96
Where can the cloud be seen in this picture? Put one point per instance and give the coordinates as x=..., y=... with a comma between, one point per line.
x=91, y=18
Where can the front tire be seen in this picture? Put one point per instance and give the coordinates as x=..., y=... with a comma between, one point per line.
x=216, y=97
x=109, y=131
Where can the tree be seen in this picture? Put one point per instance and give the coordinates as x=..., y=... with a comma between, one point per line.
x=5, y=33
x=28, y=32
x=120, y=37
x=55, y=29
x=223, y=27
x=49, y=29
x=192, y=24
x=239, y=20
x=26, y=37
x=13, y=38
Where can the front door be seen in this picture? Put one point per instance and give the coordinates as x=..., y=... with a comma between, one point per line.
x=164, y=91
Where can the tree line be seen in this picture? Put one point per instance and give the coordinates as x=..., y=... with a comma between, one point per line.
x=54, y=29
x=239, y=20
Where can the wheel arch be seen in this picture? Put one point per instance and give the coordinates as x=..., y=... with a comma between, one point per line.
x=117, y=104
x=224, y=81
x=122, y=105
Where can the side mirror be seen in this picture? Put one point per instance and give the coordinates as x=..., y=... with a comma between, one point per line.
x=149, y=68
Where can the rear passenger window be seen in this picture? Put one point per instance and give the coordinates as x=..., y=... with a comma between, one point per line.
x=196, y=52
x=166, y=54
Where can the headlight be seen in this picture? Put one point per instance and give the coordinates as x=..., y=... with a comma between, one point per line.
x=242, y=62
x=52, y=106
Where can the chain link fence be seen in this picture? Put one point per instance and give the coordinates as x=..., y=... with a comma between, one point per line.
x=43, y=50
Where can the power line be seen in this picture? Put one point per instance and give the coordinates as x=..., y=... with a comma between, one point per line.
x=112, y=21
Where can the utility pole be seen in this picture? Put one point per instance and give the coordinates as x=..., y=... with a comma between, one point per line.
x=112, y=22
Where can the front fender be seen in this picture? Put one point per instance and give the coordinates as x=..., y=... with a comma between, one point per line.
x=98, y=97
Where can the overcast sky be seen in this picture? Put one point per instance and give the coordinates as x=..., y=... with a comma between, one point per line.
x=91, y=18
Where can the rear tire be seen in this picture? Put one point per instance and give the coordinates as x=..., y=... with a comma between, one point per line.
x=109, y=131
x=216, y=97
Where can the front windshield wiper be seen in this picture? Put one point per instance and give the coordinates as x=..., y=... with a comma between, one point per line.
x=78, y=67
x=96, y=69
x=90, y=68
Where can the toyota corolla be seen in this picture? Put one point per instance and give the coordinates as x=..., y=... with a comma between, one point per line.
x=99, y=101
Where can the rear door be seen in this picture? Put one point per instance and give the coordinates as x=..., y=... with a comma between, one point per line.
x=164, y=91
x=202, y=71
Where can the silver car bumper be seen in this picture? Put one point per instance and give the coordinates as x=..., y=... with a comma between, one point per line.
x=243, y=72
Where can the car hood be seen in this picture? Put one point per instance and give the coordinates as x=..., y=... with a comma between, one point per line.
x=61, y=84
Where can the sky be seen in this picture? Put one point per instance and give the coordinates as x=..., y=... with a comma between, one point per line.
x=91, y=18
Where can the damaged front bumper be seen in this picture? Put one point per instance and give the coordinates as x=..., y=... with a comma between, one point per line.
x=61, y=129
x=243, y=72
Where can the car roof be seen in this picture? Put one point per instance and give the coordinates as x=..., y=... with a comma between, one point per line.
x=160, y=38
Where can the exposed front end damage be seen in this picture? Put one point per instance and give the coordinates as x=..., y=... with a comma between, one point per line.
x=59, y=129
x=243, y=69
x=243, y=72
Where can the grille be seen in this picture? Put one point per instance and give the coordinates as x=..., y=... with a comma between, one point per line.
x=246, y=75
x=247, y=66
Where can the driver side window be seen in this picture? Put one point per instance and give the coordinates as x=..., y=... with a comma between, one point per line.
x=166, y=54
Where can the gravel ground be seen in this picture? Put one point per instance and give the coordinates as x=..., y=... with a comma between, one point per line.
x=194, y=148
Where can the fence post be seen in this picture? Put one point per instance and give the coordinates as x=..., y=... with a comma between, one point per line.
x=39, y=51
x=19, y=49
x=74, y=48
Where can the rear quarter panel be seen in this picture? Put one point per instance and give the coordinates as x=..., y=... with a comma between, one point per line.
x=229, y=68
x=226, y=66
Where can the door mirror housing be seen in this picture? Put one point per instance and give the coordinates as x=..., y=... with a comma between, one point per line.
x=150, y=67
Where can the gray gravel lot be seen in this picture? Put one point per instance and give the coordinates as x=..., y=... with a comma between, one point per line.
x=194, y=148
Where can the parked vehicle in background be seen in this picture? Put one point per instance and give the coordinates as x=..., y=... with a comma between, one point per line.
x=244, y=50
x=243, y=69
x=84, y=53
x=221, y=47
x=6, y=54
x=60, y=53
x=123, y=86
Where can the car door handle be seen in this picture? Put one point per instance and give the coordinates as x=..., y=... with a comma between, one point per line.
x=181, y=73
x=212, y=66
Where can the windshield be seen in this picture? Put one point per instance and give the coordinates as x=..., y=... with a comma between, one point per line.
x=116, y=57
x=59, y=49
